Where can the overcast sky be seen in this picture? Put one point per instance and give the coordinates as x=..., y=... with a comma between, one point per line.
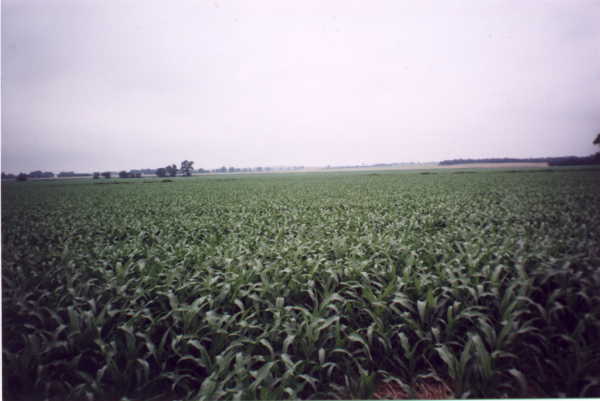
x=107, y=85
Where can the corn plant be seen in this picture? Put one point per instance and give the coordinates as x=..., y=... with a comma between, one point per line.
x=302, y=286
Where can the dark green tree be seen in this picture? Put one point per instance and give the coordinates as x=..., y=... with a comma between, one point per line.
x=171, y=170
x=41, y=174
x=187, y=166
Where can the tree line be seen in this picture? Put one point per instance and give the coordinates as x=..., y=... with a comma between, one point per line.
x=38, y=174
x=505, y=160
x=186, y=169
x=552, y=161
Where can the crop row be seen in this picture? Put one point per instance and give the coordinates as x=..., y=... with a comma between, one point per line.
x=307, y=286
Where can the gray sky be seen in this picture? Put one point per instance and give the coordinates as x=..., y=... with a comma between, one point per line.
x=95, y=85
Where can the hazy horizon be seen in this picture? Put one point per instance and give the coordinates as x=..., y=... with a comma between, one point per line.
x=95, y=86
x=262, y=168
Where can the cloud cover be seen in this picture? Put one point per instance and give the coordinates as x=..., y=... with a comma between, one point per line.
x=90, y=85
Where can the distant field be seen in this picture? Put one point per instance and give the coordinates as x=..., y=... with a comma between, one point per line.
x=483, y=283
x=496, y=165
x=435, y=166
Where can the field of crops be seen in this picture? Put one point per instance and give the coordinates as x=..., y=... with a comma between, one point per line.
x=302, y=286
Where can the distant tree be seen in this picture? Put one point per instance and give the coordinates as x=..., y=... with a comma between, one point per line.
x=123, y=174
x=22, y=177
x=231, y=169
x=73, y=174
x=187, y=166
x=161, y=172
x=596, y=156
x=106, y=174
x=171, y=170
x=96, y=175
x=40, y=174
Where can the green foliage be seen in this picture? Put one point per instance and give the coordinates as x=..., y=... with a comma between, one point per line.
x=171, y=170
x=187, y=166
x=302, y=286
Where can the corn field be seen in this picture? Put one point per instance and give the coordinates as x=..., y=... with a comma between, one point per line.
x=302, y=286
